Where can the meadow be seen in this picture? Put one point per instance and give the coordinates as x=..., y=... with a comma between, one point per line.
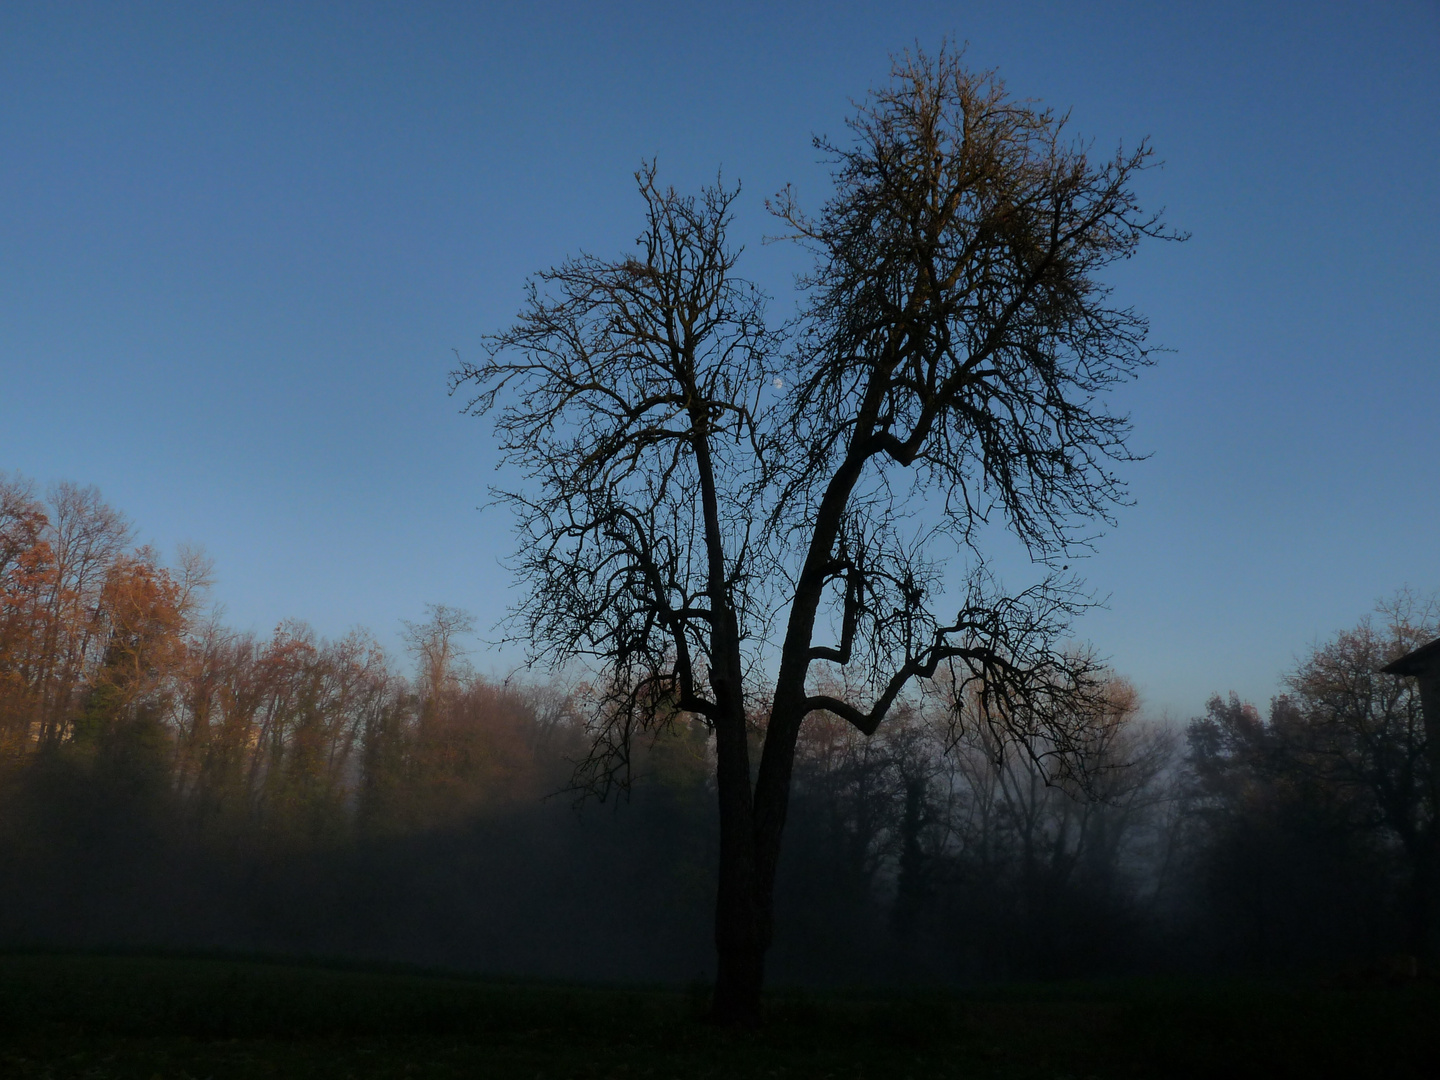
x=191, y=1018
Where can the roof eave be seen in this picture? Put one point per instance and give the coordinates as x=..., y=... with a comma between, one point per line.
x=1419, y=662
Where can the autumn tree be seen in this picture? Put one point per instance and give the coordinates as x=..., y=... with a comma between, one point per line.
x=707, y=500
x=86, y=537
x=87, y=628
x=27, y=574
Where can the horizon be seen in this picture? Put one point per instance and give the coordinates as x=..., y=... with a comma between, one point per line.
x=243, y=245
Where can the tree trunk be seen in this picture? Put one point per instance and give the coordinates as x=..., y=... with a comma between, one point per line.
x=742, y=917
x=740, y=973
x=743, y=920
x=741, y=904
x=909, y=882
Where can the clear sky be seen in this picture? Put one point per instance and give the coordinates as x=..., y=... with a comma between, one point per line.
x=238, y=243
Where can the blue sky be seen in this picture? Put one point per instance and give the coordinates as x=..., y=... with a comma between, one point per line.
x=239, y=242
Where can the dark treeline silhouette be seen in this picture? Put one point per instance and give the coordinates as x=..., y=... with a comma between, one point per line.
x=168, y=782
x=1313, y=833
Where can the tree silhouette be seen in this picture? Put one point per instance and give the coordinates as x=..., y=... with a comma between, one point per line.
x=706, y=501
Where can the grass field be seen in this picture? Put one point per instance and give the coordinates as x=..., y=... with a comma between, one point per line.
x=99, y=1017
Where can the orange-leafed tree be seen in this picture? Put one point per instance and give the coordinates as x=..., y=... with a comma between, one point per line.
x=27, y=575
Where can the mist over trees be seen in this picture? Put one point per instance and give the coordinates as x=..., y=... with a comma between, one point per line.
x=1317, y=825
x=168, y=782
x=759, y=605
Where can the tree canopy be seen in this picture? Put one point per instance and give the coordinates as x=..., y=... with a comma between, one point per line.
x=724, y=516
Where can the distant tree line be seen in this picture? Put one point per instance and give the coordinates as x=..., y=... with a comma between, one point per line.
x=166, y=781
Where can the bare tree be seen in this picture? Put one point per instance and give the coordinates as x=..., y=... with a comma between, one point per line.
x=706, y=500
x=1361, y=733
x=435, y=648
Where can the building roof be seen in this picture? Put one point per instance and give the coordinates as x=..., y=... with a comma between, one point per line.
x=1422, y=660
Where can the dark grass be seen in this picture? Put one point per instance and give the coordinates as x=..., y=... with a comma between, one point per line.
x=100, y=1017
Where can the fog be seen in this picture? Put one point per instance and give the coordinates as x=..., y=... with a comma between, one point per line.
x=168, y=783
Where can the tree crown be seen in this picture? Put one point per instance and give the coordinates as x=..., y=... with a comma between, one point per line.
x=953, y=354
